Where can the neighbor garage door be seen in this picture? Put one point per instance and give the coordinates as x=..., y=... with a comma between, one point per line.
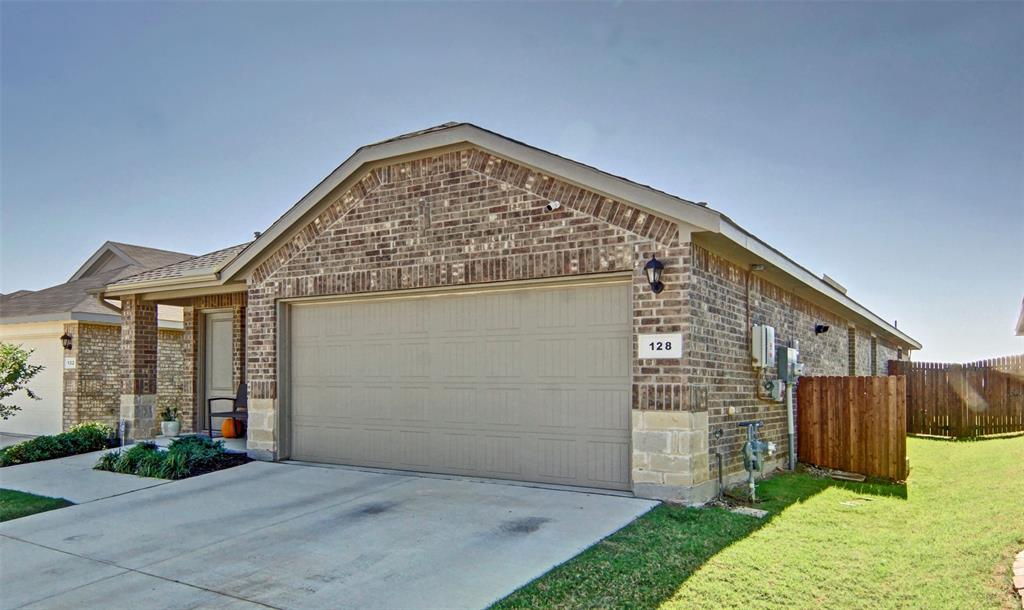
x=529, y=384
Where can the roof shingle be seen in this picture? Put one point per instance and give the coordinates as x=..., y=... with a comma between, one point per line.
x=197, y=265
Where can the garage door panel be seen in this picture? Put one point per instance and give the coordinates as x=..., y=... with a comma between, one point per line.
x=459, y=359
x=607, y=462
x=412, y=361
x=557, y=459
x=608, y=358
x=602, y=410
x=415, y=447
x=501, y=455
x=528, y=384
x=557, y=359
x=556, y=408
x=501, y=407
x=555, y=310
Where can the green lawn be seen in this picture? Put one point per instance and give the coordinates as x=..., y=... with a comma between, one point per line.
x=946, y=540
x=14, y=504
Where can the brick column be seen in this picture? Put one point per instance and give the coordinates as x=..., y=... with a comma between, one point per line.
x=138, y=367
x=237, y=344
x=191, y=319
x=71, y=404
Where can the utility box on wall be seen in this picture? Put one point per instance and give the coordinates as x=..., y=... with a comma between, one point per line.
x=763, y=346
x=789, y=366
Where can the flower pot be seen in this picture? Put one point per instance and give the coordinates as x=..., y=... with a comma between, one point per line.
x=170, y=428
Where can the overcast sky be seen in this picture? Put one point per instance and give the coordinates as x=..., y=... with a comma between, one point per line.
x=882, y=144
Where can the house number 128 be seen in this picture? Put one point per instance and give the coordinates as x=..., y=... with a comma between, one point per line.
x=660, y=346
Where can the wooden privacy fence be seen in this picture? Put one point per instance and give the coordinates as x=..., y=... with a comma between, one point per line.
x=856, y=424
x=964, y=400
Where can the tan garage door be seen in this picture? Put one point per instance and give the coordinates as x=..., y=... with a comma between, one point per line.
x=529, y=384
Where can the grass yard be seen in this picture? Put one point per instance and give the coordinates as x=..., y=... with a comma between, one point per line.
x=14, y=504
x=946, y=540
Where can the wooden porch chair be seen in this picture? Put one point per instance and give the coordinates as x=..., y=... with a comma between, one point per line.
x=239, y=407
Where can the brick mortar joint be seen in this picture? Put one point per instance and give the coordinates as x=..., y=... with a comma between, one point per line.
x=580, y=213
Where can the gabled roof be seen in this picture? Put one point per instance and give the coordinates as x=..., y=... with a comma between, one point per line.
x=707, y=226
x=697, y=215
x=76, y=298
x=198, y=266
x=115, y=255
x=15, y=294
x=66, y=298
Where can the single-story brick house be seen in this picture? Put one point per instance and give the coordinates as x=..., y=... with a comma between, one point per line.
x=82, y=382
x=455, y=301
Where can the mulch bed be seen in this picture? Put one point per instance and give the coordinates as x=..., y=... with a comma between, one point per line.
x=229, y=460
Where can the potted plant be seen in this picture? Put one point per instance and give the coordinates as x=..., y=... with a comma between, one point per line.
x=170, y=424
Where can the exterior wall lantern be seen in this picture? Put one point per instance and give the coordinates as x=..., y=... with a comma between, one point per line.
x=653, y=269
x=65, y=340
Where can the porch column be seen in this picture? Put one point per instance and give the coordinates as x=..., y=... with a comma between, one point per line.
x=191, y=318
x=138, y=367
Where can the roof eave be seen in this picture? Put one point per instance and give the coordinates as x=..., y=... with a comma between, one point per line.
x=699, y=217
x=175, y=283
x=761, y=249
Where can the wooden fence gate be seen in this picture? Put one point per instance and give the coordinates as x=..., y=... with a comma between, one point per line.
x=964, y=400
x=856, y=424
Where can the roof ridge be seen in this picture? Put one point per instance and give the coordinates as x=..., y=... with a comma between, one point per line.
x=141, y=247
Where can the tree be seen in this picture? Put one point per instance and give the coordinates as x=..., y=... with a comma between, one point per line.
x=15, y=373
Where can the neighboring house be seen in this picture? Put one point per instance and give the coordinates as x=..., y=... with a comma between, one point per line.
x=83, y=383
x=455, y=301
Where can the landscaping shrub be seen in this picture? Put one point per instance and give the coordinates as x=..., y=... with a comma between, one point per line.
x=185, y=457
x=83, y=438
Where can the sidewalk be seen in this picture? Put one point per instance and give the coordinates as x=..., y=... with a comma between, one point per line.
x=72, y=478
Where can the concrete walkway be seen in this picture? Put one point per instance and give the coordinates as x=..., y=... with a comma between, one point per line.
x=72, y=478
x=7, y=439
x=299, y=536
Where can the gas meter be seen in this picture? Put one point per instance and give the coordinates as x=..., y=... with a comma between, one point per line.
x=754, y=452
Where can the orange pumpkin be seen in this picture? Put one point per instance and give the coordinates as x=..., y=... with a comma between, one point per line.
x=231, y=428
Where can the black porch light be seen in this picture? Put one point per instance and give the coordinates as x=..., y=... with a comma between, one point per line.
x=65, y=340
x=653, y=269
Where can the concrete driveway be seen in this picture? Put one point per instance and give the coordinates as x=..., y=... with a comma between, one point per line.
x=301, y=536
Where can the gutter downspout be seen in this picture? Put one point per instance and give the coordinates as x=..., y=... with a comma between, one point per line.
x=790, y=427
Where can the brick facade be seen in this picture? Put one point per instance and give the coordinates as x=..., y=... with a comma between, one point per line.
x=92, y=389
x=464, y=217
x=722, y=311
x=862, y=365
x=459, y=218
x=138, y=367
x=467, y=217
x=170, y=372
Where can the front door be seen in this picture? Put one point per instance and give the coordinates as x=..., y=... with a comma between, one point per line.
x=218, y=370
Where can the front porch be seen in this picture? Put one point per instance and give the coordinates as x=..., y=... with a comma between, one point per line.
x=232, y=445
x=213, y=365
